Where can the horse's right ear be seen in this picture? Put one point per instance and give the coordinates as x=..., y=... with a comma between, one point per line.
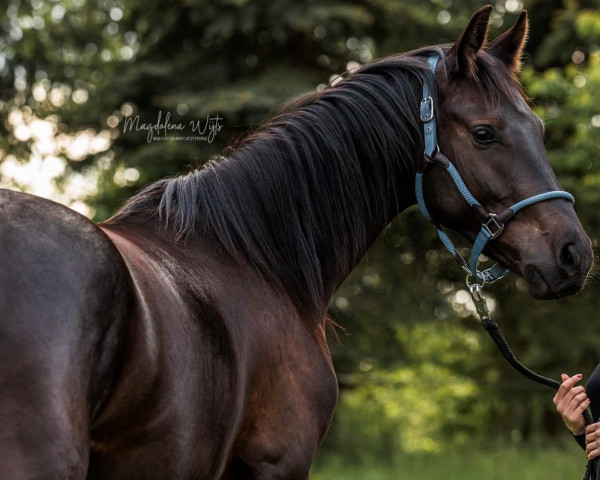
x=461, y=57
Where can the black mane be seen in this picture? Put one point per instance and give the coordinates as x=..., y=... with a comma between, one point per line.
x=300, y=198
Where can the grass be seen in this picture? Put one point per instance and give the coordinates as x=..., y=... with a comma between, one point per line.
x=472, y=462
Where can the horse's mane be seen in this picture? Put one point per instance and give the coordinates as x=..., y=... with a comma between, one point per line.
x=296, y=197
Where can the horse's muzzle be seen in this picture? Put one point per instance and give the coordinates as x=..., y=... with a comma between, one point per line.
x=567, y=276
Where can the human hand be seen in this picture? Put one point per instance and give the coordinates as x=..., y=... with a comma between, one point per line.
x=571, y=401
x=592, y=440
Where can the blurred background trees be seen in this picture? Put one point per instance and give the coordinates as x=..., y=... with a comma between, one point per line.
x=417, y=374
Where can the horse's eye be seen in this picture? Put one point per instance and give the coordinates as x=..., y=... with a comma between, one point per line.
x=483, y=135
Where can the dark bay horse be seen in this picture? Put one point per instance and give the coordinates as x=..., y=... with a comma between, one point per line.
x=185, y=337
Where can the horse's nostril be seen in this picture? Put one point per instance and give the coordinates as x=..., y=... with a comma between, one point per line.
x=569, y=258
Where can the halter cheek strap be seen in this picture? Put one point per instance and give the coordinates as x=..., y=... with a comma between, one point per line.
x=492, y=225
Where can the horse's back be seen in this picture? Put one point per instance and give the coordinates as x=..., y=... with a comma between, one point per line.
x=63, y=302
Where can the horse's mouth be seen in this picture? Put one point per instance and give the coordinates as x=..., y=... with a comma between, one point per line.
x=545, y=286
x=546, y=282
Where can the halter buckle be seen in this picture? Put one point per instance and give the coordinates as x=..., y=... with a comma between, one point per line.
x=426, y=109
x=493, y=226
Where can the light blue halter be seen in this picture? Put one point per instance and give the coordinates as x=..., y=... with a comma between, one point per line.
x=492, y=224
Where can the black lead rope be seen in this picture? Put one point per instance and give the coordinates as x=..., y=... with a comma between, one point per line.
x=592, y=470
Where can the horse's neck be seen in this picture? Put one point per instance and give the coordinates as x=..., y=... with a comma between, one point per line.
x=353, y=246
x=346, y=190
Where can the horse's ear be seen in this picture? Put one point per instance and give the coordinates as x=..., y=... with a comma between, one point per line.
x=508, y=47
x=461, y=57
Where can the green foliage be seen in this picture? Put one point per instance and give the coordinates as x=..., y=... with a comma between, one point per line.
x=430, y=398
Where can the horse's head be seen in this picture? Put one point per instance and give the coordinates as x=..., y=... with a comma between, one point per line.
x=487, y=129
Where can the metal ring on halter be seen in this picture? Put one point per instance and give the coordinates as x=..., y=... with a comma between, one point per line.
x=475, y=284
x=434, y=153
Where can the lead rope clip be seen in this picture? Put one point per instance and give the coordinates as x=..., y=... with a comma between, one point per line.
x=475, y=290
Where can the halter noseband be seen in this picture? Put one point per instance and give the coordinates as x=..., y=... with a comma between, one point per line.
x=492, y=224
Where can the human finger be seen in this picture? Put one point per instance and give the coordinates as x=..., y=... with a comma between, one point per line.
x=565, y=403
x=581, y=408
x=575, y=391
x=566, y=386
x=592, y=431
x=592, y=449
x=575, y=397
x=575, y=407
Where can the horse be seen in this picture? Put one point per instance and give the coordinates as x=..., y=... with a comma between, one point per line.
x=185, y=337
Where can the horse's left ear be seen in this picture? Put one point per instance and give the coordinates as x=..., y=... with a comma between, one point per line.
x=508, y=47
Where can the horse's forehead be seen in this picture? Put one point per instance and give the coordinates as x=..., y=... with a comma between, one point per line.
x=521, y=105
x=474, y=102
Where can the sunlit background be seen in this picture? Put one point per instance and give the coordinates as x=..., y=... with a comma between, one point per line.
x=423, y=392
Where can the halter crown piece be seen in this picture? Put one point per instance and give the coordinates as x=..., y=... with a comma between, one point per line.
x=492, y=224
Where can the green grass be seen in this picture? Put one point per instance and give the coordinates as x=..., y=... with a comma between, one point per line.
x=473, y=462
